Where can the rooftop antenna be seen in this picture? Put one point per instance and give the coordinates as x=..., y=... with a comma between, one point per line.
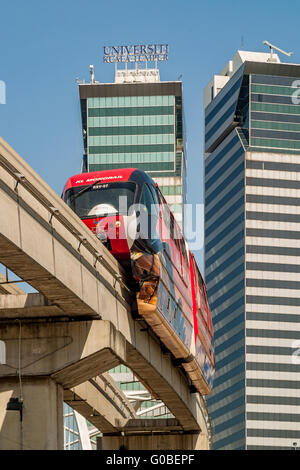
x=272, y=47
x=92, y=74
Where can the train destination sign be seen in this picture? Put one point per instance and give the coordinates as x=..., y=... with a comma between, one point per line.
x=137, y=53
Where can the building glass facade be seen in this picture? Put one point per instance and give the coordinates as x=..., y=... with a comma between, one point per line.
x=72, y=439
x=79, y=434
x=252, y=254
x=275, y=120
x=145, y=405
x=130, y=131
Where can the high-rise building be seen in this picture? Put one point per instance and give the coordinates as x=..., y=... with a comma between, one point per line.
x=252, y=250
x=137, y=122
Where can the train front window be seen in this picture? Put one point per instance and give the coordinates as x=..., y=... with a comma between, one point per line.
x=101, y=199
x=148, y=201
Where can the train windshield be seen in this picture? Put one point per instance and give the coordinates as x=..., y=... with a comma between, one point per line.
x=101, y=199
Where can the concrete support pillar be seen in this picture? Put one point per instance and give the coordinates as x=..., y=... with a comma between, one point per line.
x=155, y=441
x=41, y=427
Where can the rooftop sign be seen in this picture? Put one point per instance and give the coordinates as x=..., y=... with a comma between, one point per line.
x=137, y=53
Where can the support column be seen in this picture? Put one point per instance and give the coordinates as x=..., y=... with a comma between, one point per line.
x=41, y=427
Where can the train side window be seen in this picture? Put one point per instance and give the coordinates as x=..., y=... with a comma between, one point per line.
x=161, y=201
x=174, y=233
x=201, y=287
x=157, y=192
x=166, y=215
x=202, y=295
x=155, y=197
x=172, y=228
x=183, y=250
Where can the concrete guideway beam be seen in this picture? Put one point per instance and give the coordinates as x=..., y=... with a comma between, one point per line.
x=27, y=306
x=10, y=306
x=73, y=352
x=69, y=353
x=151, y=425
x=154, y=441
x=9, y=288
x=149, y=434
x=49, y=247
x=46, y=245
x=41, y=361
x=102, y=403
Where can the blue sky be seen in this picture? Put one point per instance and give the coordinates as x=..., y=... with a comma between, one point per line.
x=45, y=45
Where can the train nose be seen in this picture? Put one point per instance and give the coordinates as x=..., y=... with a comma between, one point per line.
x=110, y=228
x=113, y=232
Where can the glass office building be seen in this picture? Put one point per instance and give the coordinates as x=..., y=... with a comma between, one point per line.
x=252, y=251
x=137, y=122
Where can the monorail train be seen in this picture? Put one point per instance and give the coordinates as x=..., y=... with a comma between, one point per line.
x=128, y=213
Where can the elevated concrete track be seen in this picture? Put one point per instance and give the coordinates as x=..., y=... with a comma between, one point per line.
x=60, y=341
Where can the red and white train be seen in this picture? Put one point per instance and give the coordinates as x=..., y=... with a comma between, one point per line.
x=126, y=210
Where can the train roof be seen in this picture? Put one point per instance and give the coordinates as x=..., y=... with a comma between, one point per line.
x=120, y=174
